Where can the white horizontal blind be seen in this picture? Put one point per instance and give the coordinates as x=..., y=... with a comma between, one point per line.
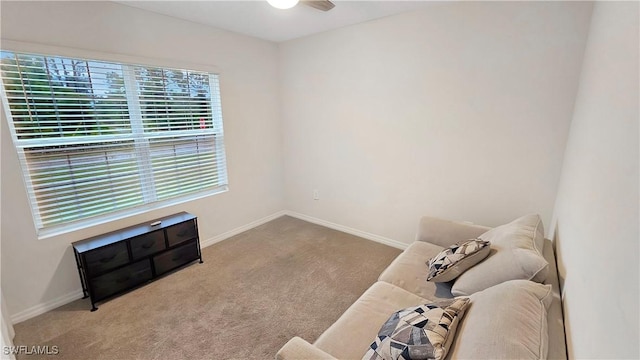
x=96, y=138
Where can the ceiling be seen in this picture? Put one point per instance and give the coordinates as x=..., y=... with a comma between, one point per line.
x=258, y=19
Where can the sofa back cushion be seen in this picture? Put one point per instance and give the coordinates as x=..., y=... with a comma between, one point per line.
x=516, y=253
x=506, y=321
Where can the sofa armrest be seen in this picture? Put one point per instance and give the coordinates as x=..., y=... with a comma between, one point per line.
x=298, y=348
x=446, y=232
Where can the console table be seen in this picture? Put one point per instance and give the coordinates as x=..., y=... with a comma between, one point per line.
x=118, y=261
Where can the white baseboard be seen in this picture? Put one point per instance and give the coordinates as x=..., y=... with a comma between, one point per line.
x=241, y=229
x=348, y=230
x=77, y=294
x=46, y=306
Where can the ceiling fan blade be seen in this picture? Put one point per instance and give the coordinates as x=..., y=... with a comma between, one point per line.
x=324, y=5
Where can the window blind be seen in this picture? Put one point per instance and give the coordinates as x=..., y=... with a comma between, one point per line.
x=96, y=138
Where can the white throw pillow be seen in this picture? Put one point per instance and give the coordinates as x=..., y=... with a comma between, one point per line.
x=516, y=253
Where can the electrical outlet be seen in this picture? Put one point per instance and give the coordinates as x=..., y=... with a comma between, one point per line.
x=316, y=194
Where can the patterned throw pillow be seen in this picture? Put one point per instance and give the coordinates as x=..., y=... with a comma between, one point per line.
x=456, y=259
x=419, y=332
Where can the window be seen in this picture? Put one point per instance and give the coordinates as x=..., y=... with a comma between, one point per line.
x=97, y=139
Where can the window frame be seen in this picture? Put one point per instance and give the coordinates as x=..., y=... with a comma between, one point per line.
x=128, y=60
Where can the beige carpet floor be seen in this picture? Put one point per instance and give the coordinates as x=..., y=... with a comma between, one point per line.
x=253, y=293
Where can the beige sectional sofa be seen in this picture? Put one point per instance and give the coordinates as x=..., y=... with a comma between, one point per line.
x=483, y=333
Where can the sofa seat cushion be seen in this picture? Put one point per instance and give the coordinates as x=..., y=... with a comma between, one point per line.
x=409, y=271
x=350, y=336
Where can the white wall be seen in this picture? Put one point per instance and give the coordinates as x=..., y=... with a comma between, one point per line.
x=39, y=271
x=596, y=214
x=459, y=111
